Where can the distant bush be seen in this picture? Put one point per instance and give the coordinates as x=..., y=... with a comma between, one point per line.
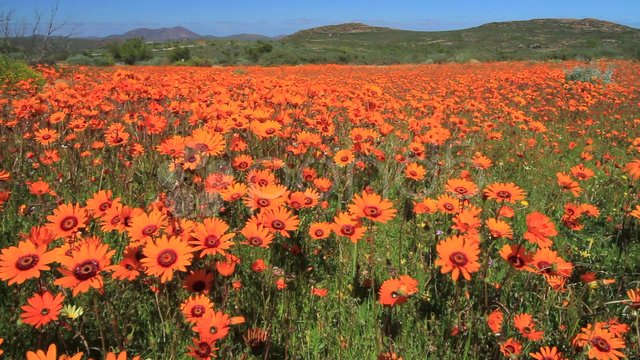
x=13, y=71
x=131, y=51
x=80, y=59
x=197, y=61
x=179, y=54
x=590, y=74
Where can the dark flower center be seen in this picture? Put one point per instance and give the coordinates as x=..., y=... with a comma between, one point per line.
x=149, y=230
x=263, y=182
x=86, y=270
x=167, y=258
x=68, y=223
x=459, y=259
x=544, y=267
x=203, y=350
x=104, y=206
x=44, y=311
x=601, y=344
x=211, y=241
x=347, y=230
x=255, y=241
x=372, y=211
x=516, y=261
x=461, y=190
x=270, y=131
x=27, y=262
x=503, y=194
x=263, y=202
x=278, y=224
x=199, y=286
x=449, y=206
x=319, y=232
x=197, y=311
x=115, y=220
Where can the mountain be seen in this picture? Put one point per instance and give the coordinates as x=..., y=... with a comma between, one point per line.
x=511, y=40
x=158, y=35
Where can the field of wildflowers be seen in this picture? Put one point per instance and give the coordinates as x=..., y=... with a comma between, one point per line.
x=459, y=211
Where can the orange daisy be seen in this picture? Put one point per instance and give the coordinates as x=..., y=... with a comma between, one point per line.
x=209, y=237
x=67, y=220
x=213, y=326
x=320, y=230
x=634, y=298
x=266, y=197
x=547, y=262
x=507, y=192
x=199, y=281
x=415, y=171
x=511, y=348
x=633, y=169
x=100, y=202
x=372, y=207
x=203, y=350
x=540, y=229
x=499, y=229
x=396, y=291
x=120, y=356
x=233, y=192
x=39, y=188
x=83, y=265
x=448, y=204
x=458, y=255
x=494, y=321
x=581, y=172
x=567, y=184
x=46, y=136
x=129, y=267
x=42, y=309
x=517, y=256
x=547, y=353
x=343, y=157
x=195, y=307
x=279, y=220
x=145, y=226
x=51, y=354
x=524, y=323
x=166, y=255
x=345, y=225
x=25, y=261
x=461, y=188
x=256, y=235
x=602, y=345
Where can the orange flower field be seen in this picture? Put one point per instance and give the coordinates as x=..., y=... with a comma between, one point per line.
x=459, y=211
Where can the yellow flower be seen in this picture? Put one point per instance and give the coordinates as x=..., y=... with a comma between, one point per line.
x=71, y=311
x=524, y=203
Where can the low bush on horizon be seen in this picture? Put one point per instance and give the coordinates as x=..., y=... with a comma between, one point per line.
x=458, y=211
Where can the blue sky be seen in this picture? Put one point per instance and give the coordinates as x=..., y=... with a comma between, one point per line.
x=105, y=17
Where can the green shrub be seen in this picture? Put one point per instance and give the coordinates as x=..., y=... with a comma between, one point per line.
x=13, y=71
x=79, y=59
x=131, y=51
x=590, y=74
x=179, y=54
